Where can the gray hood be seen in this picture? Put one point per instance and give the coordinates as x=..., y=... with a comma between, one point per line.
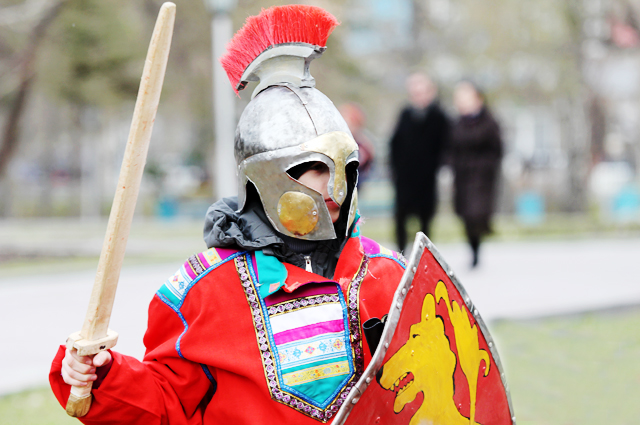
x=248, y=230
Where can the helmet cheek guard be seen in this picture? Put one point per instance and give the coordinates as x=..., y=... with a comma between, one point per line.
x=292, y=208
x=298, y=213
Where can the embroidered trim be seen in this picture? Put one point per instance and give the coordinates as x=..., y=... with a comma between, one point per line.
x=354, y=316
x=176, y=288
x=195, y=264
x=320, y=348
x=299, y=304
x=314, y=373
x=249, y=281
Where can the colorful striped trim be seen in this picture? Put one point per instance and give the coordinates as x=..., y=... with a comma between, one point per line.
x=309, y=331
x=197, y=266
x=291, y=306
x=304, y=291
x=311, y=374
x=275, y=382
x=353, y=293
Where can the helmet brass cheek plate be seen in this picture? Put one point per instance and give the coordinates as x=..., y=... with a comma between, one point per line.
x=298, y=213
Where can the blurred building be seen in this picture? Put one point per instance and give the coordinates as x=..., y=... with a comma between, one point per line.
x=611, y=64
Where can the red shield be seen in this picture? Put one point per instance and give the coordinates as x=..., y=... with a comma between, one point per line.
x=436, y=362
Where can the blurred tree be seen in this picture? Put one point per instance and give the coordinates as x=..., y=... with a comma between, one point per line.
x=21, y=71
x=525, y=53
x=94, y=52
x=92, y=64
x=24, y=63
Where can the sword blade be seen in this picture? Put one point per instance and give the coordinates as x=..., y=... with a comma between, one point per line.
x=124, y=202
x=95, y=335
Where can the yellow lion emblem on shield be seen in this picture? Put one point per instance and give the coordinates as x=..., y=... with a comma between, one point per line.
x=425, y=363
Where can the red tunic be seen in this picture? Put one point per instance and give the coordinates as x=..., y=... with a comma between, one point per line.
x=224, y=347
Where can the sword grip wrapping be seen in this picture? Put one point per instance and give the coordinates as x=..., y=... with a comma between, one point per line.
x=79, y=401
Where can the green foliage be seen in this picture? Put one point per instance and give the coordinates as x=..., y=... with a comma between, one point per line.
x=95, y=53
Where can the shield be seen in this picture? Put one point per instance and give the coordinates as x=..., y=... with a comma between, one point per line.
x=436, y=362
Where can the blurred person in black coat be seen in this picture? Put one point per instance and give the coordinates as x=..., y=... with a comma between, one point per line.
x=475, y=148
x=416, y=150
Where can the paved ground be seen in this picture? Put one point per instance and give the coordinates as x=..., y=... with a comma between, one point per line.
x=532, y=279
x=515, y=280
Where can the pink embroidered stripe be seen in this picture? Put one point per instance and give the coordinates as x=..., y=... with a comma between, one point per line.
x=308, y=331
x=203, y=261
x=370, y=247
x=225, y=253
x=307, y=290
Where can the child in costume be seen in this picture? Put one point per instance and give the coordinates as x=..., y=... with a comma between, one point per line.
x=266, y=324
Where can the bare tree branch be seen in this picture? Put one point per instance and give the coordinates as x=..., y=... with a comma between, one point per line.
x=11, y=135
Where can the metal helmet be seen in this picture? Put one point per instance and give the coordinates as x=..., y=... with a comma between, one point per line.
x=287, y=123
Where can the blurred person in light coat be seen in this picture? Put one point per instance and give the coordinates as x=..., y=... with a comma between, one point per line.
x=475, y=149
x=416, y=154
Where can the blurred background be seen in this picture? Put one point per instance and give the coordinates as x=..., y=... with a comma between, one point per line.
x=558, y=280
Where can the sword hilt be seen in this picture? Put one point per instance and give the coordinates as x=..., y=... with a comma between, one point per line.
x=80, y=398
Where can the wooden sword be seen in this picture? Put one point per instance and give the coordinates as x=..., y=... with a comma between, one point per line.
x=95, y=335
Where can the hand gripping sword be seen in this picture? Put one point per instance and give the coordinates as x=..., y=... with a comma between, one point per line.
x=95, y=335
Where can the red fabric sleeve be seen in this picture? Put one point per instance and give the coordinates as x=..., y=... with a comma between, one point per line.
x=164, y=388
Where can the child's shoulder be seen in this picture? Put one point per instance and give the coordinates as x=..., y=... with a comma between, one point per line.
x=176, y=287
x=373, y=249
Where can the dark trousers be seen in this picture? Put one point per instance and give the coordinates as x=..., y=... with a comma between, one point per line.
x=401, y=217
x=474, y=230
